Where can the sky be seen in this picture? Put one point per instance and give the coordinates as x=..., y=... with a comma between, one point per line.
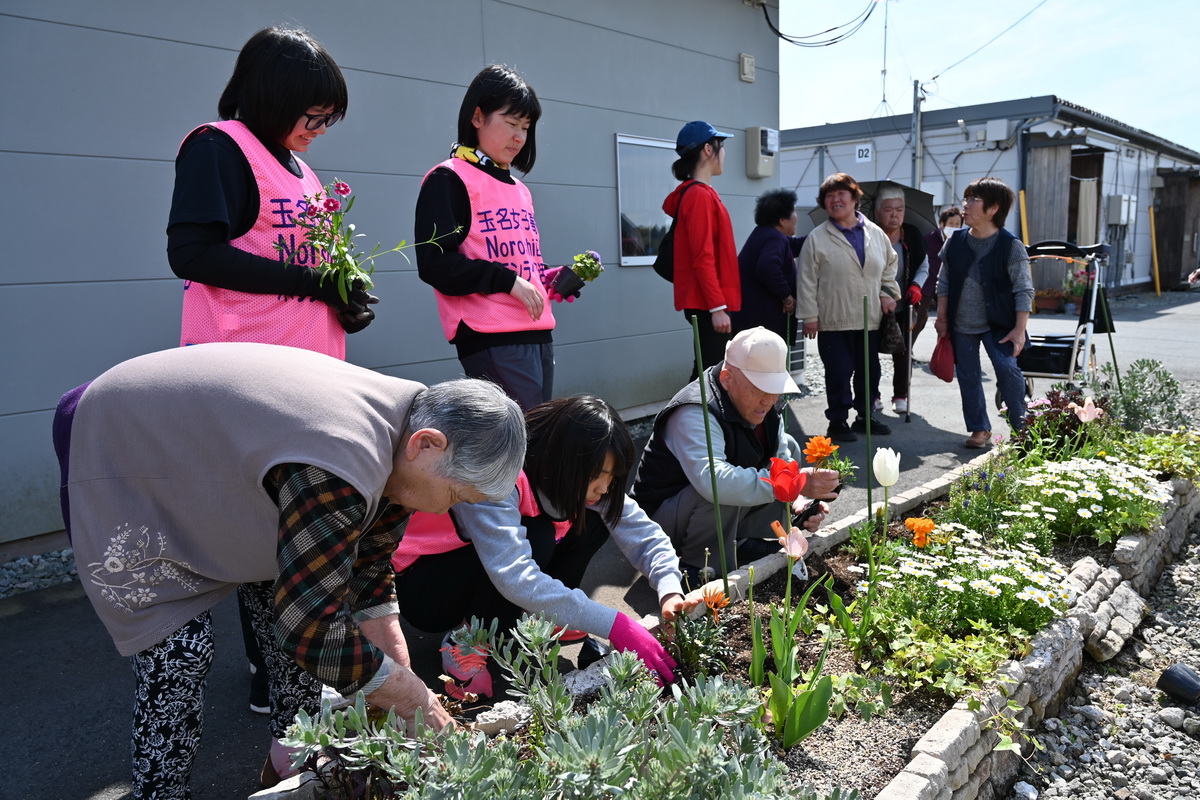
x=1137, y=61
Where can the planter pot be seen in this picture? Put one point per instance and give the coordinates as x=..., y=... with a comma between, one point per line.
x=1052, y=305
x=567, y=283
x=1181, y=682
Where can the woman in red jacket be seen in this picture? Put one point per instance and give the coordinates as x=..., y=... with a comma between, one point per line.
x=707, y=285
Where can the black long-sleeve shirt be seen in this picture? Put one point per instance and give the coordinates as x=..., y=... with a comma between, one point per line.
x=215, y=201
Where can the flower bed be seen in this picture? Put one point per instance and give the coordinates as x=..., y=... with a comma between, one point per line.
x=956, y=758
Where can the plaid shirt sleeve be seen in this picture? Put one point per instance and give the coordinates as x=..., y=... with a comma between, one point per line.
x=330, y=572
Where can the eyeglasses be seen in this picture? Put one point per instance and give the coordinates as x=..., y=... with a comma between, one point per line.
x=317, y=120
x=967, y=201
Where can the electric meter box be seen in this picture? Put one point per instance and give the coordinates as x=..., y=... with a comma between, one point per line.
x=762, y=146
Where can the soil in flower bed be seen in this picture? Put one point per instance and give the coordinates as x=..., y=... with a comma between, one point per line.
x=854, y=753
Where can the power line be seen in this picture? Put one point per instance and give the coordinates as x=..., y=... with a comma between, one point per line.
x=989, y=41
x=846, y=29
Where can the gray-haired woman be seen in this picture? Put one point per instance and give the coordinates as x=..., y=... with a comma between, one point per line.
x=285, y=475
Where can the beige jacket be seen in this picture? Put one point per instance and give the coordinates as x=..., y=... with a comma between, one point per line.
x=830, y=284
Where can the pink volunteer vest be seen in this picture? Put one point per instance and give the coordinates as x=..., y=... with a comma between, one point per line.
x=430, y=534
x=211, y=314
x=502, y=230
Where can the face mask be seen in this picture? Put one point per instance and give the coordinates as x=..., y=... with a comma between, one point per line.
x=946, y=231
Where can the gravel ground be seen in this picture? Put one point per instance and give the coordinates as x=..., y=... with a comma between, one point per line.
x=1118, y=736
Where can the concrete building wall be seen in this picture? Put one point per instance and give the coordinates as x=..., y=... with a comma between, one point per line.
x=103, y=92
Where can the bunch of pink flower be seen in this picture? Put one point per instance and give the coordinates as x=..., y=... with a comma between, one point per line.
x=327, y=232
x=1077, y=282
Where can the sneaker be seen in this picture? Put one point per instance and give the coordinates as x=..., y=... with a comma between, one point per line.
x=900, y=405
x=840, y=432
x=260, y=696
x=878, y=404
x=877, y=427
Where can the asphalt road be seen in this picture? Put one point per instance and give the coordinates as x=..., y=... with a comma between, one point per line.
x=67, y=694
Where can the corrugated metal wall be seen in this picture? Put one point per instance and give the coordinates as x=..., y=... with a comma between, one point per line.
x=100, y=94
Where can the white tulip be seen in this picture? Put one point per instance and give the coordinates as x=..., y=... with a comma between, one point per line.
x=886, y=465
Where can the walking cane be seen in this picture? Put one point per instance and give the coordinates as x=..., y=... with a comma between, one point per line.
x=908, y=411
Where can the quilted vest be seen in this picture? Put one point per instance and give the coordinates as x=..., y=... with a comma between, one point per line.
x=998, y=298
x=660, y=476
x=211, y=314
x=502, y=230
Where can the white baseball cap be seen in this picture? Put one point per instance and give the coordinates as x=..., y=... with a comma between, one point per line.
x=763, y=358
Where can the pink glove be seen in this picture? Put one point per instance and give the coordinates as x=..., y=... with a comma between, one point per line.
x=548, y=278
x=627, y=634
x=913, y=295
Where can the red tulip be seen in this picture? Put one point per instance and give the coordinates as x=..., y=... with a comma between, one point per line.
x=786, y=479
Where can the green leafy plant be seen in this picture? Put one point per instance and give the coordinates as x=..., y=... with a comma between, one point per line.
x=702, y=742
x=530, y=657
x=1098, y=497
x=1148, y=398
x=587, y=265
x=700, y=646
x=1003, y=717
x=1063, y=424
x=796, y=714
x=958, y=665
x=866, y=696
x=1174, y=454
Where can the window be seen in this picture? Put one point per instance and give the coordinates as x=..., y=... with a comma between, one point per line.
x=643, y=181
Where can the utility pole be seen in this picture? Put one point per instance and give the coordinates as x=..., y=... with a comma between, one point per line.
x=916, y=136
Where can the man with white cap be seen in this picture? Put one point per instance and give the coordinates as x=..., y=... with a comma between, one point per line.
x=673, y=483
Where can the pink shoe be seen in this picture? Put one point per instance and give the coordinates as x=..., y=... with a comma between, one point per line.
x=466, y=670
x=569, y=635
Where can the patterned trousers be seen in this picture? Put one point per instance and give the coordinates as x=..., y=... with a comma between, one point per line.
x=168, y=712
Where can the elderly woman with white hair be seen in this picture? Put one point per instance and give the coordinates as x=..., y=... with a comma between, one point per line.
x=282, y=474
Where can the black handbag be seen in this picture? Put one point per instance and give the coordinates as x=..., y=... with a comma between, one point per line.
x=891, y=339
x=664, y=261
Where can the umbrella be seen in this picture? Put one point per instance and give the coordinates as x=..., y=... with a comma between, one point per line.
x=918, y=206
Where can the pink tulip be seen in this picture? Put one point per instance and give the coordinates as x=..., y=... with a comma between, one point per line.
x=795, y=545
x=1087, y=412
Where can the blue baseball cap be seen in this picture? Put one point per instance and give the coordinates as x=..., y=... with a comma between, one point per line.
x=695, y=134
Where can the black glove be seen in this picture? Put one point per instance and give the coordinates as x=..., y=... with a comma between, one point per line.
x=356, y=314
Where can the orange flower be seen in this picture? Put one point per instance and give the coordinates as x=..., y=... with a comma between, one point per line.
x=715, y=599
x=819, y=448
x=921, y=528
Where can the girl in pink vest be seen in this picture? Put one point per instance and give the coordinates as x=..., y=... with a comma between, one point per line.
x=238, y=189
x=530, y=551
x=486, y=266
